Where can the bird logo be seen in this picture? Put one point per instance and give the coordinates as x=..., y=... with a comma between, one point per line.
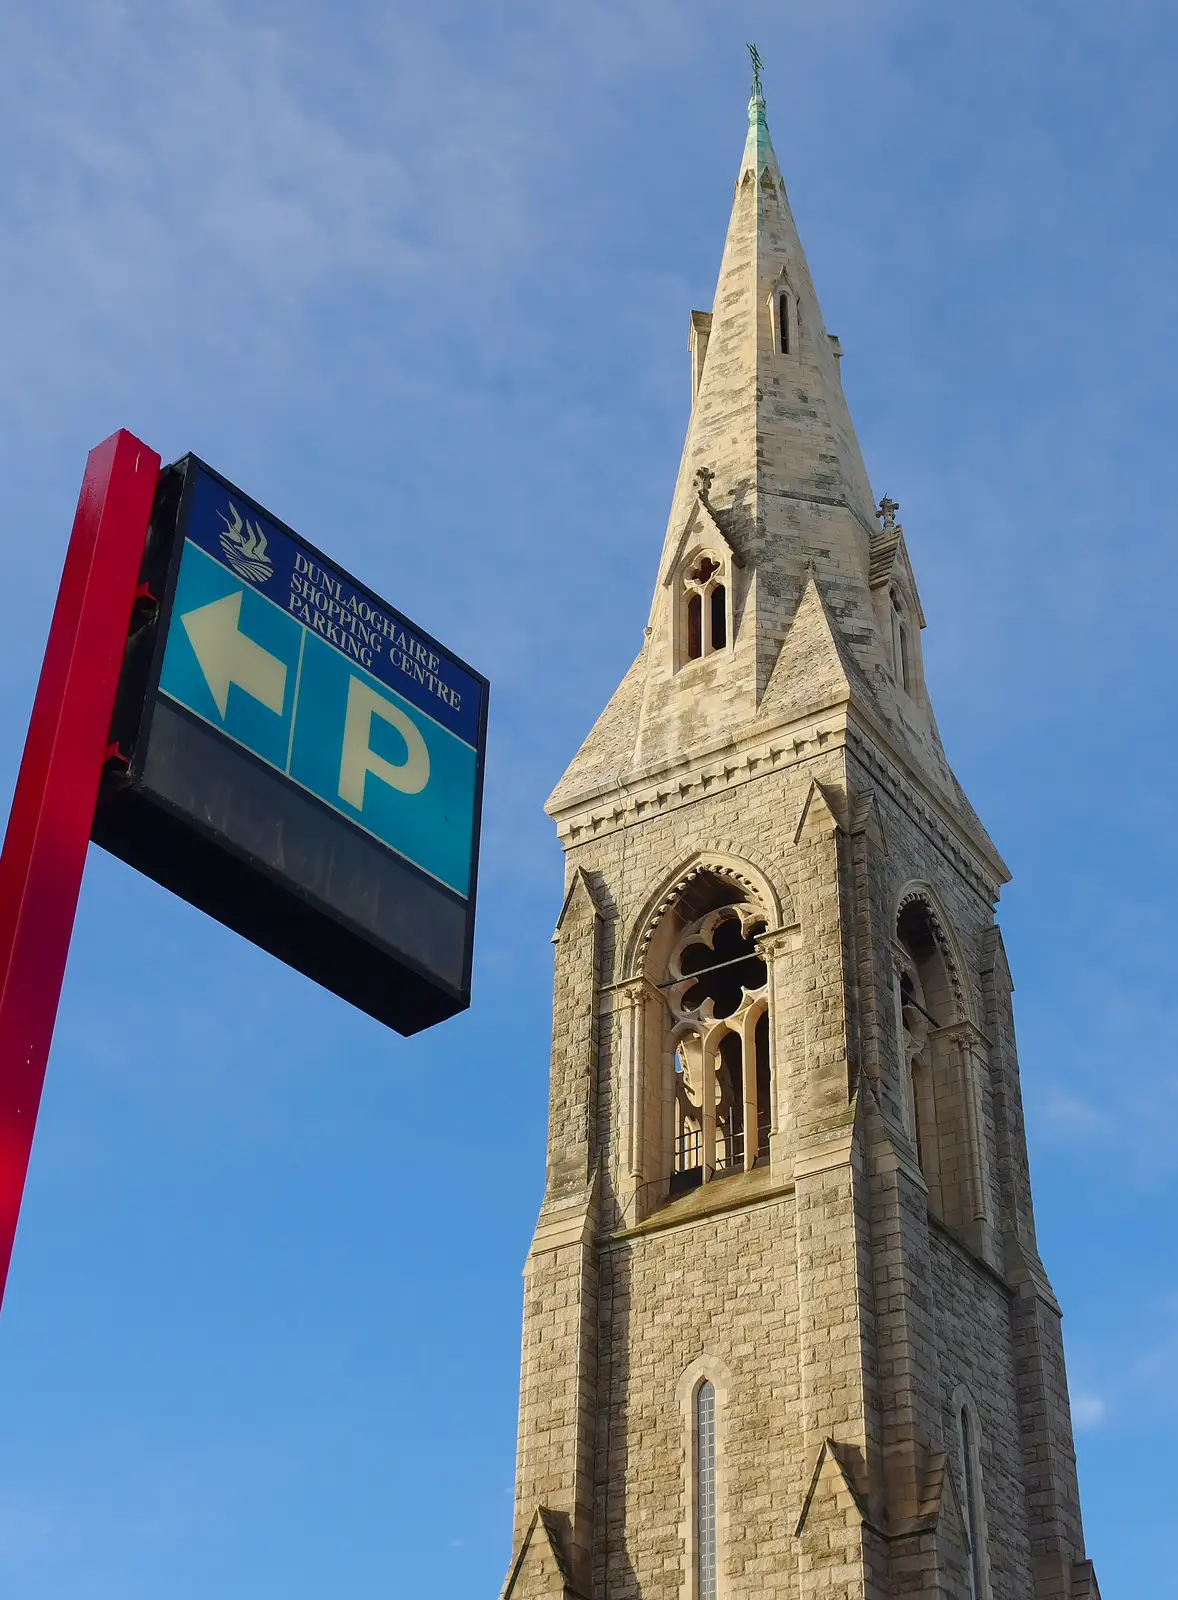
x=244, y=545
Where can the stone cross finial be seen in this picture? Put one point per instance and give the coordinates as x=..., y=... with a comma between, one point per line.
x=704, y=479
x=887, y=509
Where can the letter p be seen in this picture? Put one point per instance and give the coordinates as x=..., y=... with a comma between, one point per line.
x=359, y=759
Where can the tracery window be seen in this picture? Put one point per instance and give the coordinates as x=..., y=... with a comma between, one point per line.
x=718, y=994
x=705, y=608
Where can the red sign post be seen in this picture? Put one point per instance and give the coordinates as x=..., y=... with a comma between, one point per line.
x=53, y=807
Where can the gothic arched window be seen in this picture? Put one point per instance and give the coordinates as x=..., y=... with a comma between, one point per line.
x=704, y=611
x=942, y=1071
x=717, y=991
x=925, y=1004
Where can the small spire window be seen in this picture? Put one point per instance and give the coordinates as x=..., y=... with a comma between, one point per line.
x=901, y=644
x=705, y=609
x=695, y=627
x=785, y=316
x=719, y=617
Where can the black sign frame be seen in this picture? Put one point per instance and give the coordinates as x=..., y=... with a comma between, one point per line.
x=209, y=820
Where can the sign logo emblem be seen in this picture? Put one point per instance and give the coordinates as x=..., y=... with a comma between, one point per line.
x=244, y=545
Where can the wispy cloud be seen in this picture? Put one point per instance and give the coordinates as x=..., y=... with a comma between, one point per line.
x=1088, y=1410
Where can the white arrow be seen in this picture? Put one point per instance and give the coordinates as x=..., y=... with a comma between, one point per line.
x=226, y=656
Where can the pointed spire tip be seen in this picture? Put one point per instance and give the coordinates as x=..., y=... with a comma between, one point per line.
x=758, y=147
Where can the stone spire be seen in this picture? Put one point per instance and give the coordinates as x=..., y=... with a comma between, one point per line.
x=769, y=418
x=771, y=485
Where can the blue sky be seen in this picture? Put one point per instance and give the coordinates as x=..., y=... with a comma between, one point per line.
x=418, y=278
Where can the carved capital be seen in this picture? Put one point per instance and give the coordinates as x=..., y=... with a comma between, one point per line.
x=965, y=1033
x=636, y=990
x=778, y=941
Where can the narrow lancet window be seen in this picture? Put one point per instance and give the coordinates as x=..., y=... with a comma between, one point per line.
x=901, y=645
x=764, y=1085
x=973, y=1510
x=705, y=1491
x=783, y=322
x=730, y=1111
x=719, y=617
x=687, y=1171
x=695, y=630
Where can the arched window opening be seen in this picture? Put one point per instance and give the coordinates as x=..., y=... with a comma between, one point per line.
x=716, y=991
x=719, y=617
x=973, y=1504
x=934, y=1069
x=783, y=323
x=695, y=627
x=914, y=1019
x=930, y=988
x=707, y=1564
x=901, y=648
x=730, y=1106
x=764, y=1085
x=705, y=613
x=687, y=1169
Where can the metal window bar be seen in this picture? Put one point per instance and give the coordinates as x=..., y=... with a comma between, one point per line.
x=731, y=1158
x=689, y=1150
x=704, y=972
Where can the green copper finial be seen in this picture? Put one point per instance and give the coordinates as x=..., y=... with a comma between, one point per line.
x=755, y=58
x=758, y=149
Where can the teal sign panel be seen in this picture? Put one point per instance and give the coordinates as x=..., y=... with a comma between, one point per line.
x=288, y=658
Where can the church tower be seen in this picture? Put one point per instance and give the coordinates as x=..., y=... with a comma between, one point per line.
x=786, y=1328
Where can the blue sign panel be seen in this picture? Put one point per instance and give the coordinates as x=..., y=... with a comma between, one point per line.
x=297, y=758
x=286, y=656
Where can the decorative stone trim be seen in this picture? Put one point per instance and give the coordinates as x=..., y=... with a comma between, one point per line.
x=920, y=894
x=628, y=806
x=901, y=792
x=752, y=881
